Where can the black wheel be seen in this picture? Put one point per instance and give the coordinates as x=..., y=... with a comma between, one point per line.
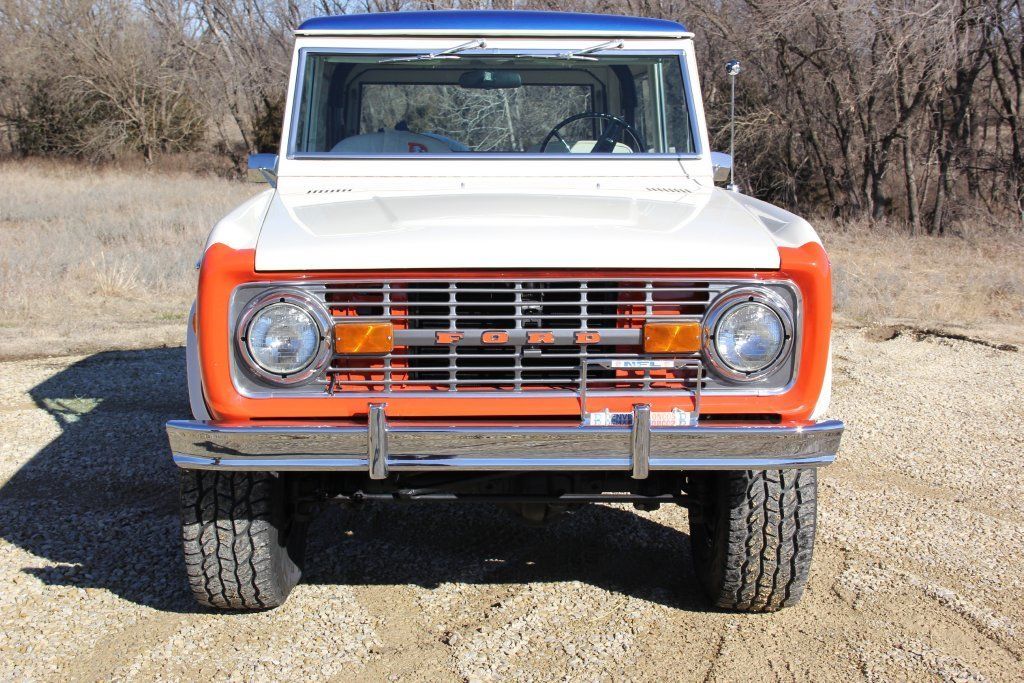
x=752, y=535
x=243, y=547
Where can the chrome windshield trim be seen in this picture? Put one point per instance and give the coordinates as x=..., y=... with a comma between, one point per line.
x=293, y=124
x=647, y=156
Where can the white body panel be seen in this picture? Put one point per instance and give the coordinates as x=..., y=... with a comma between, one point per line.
x=193, y=373
x=825, y=397
x=240, y=228
x=470, y=225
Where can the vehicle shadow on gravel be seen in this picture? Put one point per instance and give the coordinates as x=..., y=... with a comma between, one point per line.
x=100, y=504
x=432, y=544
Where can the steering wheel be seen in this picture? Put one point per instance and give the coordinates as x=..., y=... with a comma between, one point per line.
x=606, y=143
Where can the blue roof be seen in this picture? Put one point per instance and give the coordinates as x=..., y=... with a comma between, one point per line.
x=491, y=22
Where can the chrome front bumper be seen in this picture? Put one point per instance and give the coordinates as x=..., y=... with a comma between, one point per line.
x=379, y=448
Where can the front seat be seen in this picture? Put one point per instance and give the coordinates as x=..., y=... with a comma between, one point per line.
x=392, y=142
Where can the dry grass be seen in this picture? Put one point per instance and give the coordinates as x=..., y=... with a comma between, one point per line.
x=972, y=282
x=104, y=259
x=101, y=258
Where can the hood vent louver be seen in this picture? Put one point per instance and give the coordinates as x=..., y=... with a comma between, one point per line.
x=329, y=190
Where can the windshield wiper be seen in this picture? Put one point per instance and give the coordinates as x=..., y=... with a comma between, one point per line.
x=581, y=54
x=450, y=53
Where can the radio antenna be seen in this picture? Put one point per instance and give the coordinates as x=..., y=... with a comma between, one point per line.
x=733, y=69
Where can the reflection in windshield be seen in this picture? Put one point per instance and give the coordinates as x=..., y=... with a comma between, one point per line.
x=481, y=120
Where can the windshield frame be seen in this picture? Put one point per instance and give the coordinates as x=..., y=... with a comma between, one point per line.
x=304, y=53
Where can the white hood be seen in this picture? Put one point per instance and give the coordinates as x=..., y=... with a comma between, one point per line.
x=671, y=227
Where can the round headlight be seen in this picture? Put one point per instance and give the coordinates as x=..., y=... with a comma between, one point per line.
x=747, y=333
x=282, y=338
x=749, y=337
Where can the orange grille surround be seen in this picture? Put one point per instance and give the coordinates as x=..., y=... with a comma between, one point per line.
x=224, y=269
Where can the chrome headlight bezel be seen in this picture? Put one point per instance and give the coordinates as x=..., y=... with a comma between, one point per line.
x=309, y=305
x=726, y=302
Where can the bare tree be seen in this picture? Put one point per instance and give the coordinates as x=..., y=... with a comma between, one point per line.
x=100, y=79
x=902, y=110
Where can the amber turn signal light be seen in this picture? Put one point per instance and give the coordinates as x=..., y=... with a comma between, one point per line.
x=357, y=338
x=672, y=337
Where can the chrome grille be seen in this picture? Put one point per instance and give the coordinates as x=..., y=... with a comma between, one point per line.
x=419, y=310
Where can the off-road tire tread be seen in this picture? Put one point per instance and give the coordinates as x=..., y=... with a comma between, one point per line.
x=230, y=537
x=770, y=518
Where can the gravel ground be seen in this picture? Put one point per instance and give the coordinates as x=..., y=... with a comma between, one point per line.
x=918, y=570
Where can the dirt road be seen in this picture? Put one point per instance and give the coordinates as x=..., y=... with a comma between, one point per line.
x=918, y=571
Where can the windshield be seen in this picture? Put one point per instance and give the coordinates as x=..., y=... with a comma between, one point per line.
x=379, y=105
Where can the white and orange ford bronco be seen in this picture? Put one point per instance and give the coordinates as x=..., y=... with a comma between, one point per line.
x=493, y=265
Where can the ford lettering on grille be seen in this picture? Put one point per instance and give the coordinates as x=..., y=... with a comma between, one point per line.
x=517, y=337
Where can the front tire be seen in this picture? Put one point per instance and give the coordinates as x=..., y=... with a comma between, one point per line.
x=243, y=546
x=752, y=535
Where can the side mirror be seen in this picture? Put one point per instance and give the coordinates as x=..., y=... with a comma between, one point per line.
x=721, y=165
x=263, y=169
